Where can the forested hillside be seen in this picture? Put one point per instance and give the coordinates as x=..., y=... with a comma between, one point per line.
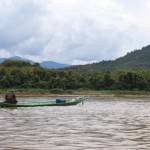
x=138, y=59
x=21, y=74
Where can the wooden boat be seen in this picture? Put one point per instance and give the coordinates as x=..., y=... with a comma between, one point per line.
x=56, y=102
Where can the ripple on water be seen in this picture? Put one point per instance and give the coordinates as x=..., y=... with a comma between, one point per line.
x=101, y=123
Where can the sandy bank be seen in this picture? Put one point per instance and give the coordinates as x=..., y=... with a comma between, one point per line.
x=74, y=94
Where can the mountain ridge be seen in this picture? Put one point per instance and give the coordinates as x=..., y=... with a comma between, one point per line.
x=45, y=64
x=137, y=59
x=134, y=60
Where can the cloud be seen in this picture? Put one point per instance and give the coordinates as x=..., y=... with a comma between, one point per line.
x=73, y=31
x=81, y=62
x=4, y=53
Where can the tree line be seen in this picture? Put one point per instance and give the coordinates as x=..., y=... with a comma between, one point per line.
x=21, y=74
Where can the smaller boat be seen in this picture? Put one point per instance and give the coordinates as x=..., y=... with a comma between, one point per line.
x=56, y=102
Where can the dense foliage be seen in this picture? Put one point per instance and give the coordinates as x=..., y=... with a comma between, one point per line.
x=19, y=74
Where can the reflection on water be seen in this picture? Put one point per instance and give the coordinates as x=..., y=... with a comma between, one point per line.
x=101, y=123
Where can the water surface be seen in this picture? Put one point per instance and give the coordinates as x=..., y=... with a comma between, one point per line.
x=101, y=123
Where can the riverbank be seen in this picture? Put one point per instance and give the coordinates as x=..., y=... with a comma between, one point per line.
x=71, y=93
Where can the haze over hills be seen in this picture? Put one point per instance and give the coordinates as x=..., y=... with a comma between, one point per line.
x=137, y=59
x=45, y=64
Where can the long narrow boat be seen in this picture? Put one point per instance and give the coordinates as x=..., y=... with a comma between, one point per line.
x=56, y=102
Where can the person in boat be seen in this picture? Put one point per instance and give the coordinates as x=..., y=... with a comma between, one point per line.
x=10, y=97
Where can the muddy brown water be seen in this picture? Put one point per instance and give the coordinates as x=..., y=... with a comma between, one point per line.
x=101, y=123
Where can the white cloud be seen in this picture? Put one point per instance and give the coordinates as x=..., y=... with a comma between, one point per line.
x=4, y=53
x=73, y=31
x=81, y=62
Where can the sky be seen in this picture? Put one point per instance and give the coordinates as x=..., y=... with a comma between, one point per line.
x=73, y=31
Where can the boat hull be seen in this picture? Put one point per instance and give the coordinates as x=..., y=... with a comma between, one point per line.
x=74, y=101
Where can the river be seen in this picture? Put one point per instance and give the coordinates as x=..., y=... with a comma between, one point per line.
x=102, y=123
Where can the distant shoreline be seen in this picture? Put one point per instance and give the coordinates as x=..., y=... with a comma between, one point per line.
x=134, y=94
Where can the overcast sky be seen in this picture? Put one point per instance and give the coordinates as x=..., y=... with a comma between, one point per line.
x=73, y=31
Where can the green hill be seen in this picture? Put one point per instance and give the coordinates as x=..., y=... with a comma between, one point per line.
x=135, y=60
